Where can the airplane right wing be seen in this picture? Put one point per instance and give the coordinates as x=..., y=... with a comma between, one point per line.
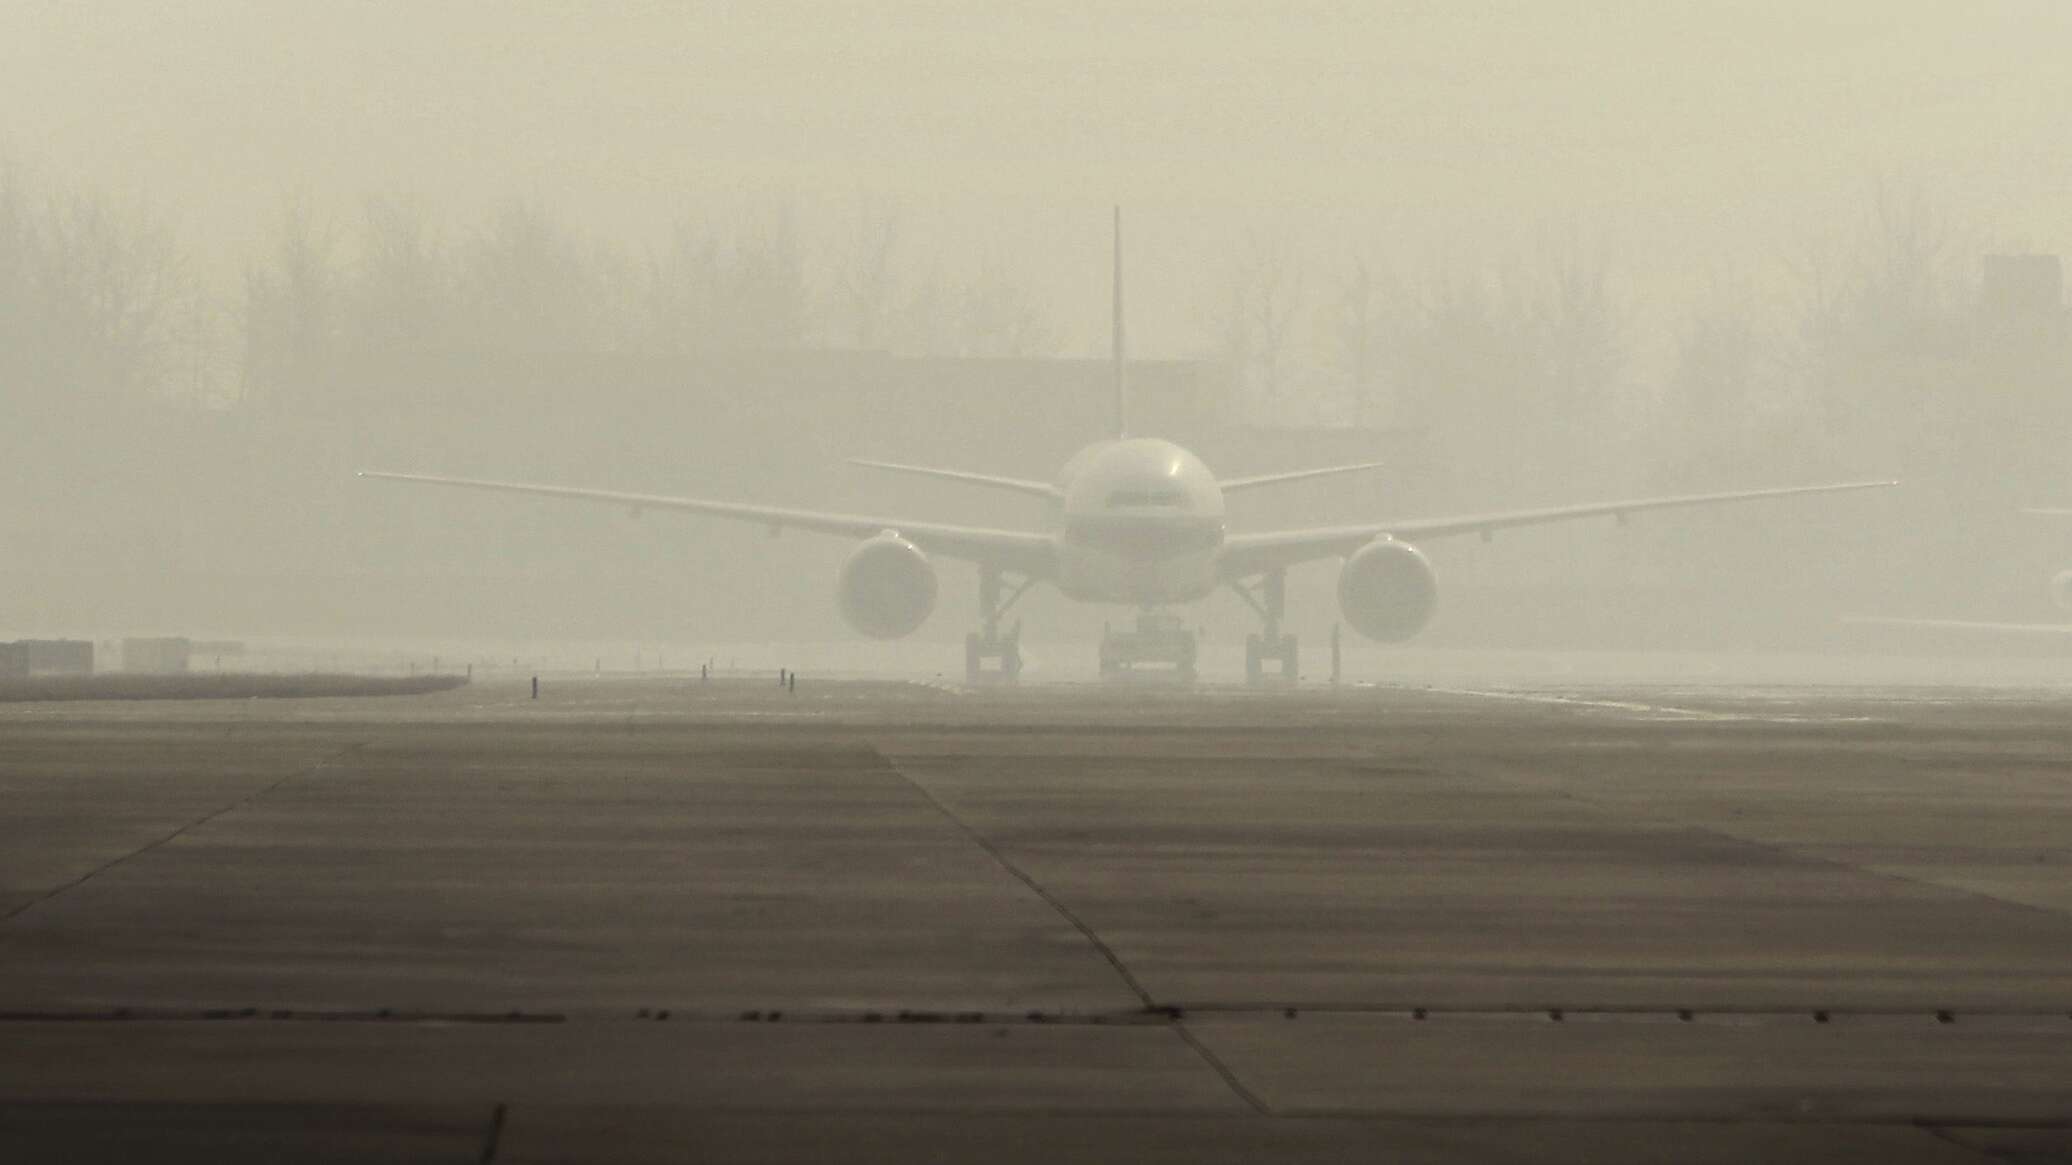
x=1015, y=550
x=1248, y=554
x=1238, y=484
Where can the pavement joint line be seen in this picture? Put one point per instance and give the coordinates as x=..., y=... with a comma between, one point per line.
x=1615, y=1010
x=1216, y=1064
x=894, y=1017
x=493, y=1137
x=1106, y=952
x=1694, y=1116
x=1941, y=1132
x=197, y=823
x=1513, y=774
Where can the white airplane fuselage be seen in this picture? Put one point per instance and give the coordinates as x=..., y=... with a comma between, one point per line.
x=1140, y=521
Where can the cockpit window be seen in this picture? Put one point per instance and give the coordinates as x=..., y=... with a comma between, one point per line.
x=1128, y=497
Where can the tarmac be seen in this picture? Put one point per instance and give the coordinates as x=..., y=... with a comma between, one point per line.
x=655, y=919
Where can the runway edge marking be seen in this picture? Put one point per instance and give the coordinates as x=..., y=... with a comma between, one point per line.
x=1663, y=711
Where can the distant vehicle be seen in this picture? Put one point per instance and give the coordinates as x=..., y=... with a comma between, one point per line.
x=1133, y=520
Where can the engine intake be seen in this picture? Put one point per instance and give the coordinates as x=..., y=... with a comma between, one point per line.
x=887, y=587
x=1387, y=590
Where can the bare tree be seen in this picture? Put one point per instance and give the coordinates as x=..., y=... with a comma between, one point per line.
x=1356, y=323
x=17, y=284
x=1580, y=348
x=866, y=285
x=747, y=292
x=291, y=320
x=526, y=285
x=1255, y=315
x=403, y=295
x=104, y=282
x=997, y=316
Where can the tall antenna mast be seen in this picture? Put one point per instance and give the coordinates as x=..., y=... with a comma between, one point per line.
x=1121, y=387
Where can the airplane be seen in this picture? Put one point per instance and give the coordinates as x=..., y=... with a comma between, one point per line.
x=2060, y=597
x=1133, y=520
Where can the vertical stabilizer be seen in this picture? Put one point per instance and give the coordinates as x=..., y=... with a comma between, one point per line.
x=1121, y=385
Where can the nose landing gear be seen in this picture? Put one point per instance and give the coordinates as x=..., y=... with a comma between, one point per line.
x=1261, y=650
x=1159, y=638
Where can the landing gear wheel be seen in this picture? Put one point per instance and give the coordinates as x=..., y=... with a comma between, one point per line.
x=990, y=645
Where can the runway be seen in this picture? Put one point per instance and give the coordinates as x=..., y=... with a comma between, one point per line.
x=662, y=920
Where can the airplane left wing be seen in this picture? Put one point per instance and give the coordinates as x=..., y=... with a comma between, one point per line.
x=1245, y=555
x=1015, y=550
x=2057, y=630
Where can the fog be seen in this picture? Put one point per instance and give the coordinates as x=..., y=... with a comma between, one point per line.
x=1525, y=254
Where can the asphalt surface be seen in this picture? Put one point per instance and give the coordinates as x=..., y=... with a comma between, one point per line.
x=660, y=920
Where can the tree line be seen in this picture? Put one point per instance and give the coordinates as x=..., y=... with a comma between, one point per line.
x=1521, y=365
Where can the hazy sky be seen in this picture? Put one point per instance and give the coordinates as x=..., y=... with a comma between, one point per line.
x=1688, y=132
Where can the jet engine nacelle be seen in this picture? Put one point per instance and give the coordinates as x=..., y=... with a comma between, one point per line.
x=887, y=587
x=1387, y=590
x=2061, y=590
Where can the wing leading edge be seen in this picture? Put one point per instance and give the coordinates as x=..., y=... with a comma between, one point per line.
x=1015, y=550
x=1014, y=484
x=1248, y=554
x=2054, y=630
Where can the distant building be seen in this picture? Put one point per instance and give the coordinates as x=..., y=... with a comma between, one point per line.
x=162, y=656
x=47, y=657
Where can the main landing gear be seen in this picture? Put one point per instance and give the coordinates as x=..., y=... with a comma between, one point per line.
x=1269, y=599
x=1159, y=638
x=986, y=645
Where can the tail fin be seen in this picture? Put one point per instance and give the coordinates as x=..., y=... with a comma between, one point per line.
x=1122, y=426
